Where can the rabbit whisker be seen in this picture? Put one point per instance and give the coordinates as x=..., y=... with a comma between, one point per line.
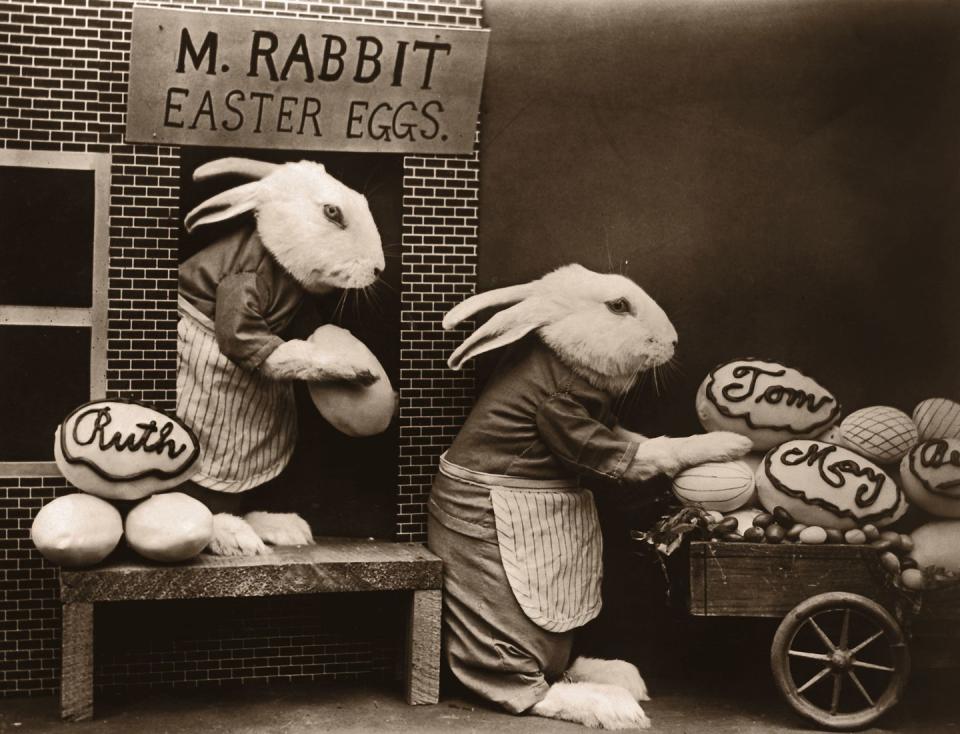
x=380, y=280
x=369, y=178
x=379, y=185
x=606, y=247
x=624, y=396
x=376, y=299
x=338, y=309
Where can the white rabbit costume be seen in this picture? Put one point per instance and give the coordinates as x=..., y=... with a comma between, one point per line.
x=519, y=513
x=518, y=535
x=311, y=234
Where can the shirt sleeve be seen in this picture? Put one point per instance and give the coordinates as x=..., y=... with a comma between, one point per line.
x=581, y=442
x=242, y=331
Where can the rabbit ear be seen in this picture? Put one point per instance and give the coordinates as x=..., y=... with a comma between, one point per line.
x=475, y=304
x=503, y=328
x=225, y=205
x=246, y=167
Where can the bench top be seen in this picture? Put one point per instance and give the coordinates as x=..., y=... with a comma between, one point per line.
x=332, y=565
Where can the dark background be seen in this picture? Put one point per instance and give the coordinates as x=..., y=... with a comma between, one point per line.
x=47, y=216
x=781, y=176
x=341, y=485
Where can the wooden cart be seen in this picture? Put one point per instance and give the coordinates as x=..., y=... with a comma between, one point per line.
x=840, y=655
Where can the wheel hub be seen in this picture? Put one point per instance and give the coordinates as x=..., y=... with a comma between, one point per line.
x=841, y=660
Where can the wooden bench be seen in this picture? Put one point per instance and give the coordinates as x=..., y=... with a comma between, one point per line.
x=332, y=565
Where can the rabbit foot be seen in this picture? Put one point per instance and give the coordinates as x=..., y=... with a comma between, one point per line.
x=280, y=528
x=300, y=360
x=233, y=536
x=713, y=446
x=663, y=455
x=597, y=705
x=613, y=672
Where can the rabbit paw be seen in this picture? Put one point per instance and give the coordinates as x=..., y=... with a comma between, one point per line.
x=713, y=446
x=233, y=536
x=300, y=360
x=614, y=672
x=597, y=705
x=280, y=528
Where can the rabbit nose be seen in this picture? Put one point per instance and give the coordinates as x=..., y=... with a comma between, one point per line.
x=376, y=272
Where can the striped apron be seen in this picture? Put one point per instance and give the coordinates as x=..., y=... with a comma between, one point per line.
x=246, y=423
x=550, y=544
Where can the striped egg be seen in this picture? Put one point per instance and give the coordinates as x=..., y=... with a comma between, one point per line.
x=722, y=486
x=880, y=433
x=937, y=418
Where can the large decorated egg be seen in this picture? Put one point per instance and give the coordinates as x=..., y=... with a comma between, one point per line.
x=937, y=544
x=937, y=418
x=880, y=433
x=930, y=474
x=820, y=483
x=722, y=486
x=124, y=450
x=76, y=530
x=169, y=527
x=766, y=401
x=351, y=408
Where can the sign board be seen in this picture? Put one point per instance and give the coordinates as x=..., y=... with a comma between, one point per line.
x=213, y=79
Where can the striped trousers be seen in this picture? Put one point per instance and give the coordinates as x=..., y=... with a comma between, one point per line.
x=247, y=424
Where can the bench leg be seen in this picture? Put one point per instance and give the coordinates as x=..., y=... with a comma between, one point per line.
x=423, y=647
x=76, y=677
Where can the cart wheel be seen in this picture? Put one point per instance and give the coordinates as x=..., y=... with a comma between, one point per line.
x=840, y=659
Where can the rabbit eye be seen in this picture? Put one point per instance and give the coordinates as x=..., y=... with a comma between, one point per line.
x=619, y=305
x=333, y=213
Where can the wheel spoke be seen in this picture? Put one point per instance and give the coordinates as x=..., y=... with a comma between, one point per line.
x=859, y=685
x=835, y=700
x=866, y=642
x=823, y=635
x=873, y=666
x=823, y=673
x=845, y=629
x=809, y=655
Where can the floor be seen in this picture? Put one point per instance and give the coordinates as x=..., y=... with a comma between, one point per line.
x=718, y=704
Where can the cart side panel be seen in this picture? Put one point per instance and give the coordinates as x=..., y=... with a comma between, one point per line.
x=754, y=580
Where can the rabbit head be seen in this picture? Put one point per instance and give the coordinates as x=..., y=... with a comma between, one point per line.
x=317, y=229
x=601, y=325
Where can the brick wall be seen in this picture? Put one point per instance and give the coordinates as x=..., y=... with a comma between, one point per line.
x=63, y=75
